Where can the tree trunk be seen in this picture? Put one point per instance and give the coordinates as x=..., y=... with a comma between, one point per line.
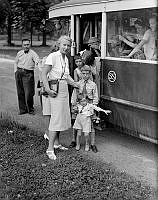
x=9, y=31
x=31, y=32
x=44, y=37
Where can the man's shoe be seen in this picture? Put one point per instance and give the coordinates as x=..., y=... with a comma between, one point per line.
x=32, y=112
x=94, y=148
x=72, y=145
x=22, y=113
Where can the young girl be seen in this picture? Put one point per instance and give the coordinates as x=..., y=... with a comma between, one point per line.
x=83, y=120
x=77, y=72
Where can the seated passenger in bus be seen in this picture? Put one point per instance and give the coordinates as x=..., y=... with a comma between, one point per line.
x=129, y=41
x=148, y=42
x=113, y=47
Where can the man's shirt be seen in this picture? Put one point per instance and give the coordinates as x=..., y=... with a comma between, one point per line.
x=26, y=60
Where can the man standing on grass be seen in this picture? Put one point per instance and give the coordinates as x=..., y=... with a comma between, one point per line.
x=25, y=63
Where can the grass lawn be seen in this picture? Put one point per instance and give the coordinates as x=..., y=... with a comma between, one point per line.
x=27, y=173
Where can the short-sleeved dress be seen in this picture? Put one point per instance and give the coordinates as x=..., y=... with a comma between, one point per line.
x=150, y=45
x=60, y=110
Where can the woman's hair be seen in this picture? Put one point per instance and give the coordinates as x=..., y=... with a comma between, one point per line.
x=139, y=22
x=55, y=47
x=64, y=37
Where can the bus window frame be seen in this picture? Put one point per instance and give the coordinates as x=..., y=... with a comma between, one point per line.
x=132, y=60
x=121, y=58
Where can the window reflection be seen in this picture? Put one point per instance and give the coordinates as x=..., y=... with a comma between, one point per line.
x=132, y=33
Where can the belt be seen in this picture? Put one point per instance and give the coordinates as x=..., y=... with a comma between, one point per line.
x=23, y=69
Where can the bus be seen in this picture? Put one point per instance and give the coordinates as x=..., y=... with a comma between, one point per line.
x=128, y=85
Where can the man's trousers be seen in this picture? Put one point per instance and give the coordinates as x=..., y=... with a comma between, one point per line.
x=25, y=89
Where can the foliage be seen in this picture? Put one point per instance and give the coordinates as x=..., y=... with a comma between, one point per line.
x=5, y=11
x=25, y=14
x=27, y=173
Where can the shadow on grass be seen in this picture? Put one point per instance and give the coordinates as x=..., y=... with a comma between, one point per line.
x=27, y=173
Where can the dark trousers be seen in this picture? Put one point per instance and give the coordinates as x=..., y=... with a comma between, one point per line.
x=25, y=89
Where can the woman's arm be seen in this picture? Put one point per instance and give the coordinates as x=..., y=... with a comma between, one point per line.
x=45, y=72
x=138, y=47
x=131, y=44
x=72, y=82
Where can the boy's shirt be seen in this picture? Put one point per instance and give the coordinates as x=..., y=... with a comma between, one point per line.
x=91, y=89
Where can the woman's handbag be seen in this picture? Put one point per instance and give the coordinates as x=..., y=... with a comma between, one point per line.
x=54, y=85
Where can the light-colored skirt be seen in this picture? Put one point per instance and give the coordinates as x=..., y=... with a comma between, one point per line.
x=60, y=111
x=46, y=107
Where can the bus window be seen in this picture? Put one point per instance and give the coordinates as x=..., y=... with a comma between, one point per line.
x=126, y=29
x=91, y=27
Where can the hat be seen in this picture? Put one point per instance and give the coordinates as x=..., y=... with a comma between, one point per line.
x=86, y=68
x=93, y=40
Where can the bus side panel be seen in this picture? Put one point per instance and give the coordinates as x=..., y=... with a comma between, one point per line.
x=129, y=89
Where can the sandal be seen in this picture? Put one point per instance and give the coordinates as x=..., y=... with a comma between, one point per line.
x=87, y=147
x=60, y=147
x=72, y=145
x=51, y=155
x=77, y=147
x=46, y=137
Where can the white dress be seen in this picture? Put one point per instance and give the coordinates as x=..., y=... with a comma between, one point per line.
x=60, y=111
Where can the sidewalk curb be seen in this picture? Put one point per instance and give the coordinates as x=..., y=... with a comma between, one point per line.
x=6, y=57
x=6, y=60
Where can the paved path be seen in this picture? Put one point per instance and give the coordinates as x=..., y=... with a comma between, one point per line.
x=132, y=155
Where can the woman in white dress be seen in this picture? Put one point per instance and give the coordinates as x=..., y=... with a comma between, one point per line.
x=57, y=66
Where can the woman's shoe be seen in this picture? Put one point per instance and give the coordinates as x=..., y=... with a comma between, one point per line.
x=51, y=155
x=46, y=137
x=77, y=147
x=87, y=147
x=60, y=147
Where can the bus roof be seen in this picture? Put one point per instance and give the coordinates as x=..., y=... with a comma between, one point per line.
x=74, y=7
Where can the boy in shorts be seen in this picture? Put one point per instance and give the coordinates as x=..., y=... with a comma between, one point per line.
x=89, y=89
x=83, y=122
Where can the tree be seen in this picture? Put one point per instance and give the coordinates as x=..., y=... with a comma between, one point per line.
x=21, y=13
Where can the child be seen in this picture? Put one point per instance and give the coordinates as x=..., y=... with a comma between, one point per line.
x=83, y=120
x=77, y=72
x=77, y=77
x=89, y=89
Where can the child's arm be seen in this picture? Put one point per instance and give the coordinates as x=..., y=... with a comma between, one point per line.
x=100, y=109
x=95, y=95
x=75, y=75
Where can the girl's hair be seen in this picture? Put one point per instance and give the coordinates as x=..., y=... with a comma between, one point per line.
x=80, y=96
x=139, y=22
x=77, y=57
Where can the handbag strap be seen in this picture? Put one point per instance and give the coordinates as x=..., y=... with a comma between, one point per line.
x=63, y=69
